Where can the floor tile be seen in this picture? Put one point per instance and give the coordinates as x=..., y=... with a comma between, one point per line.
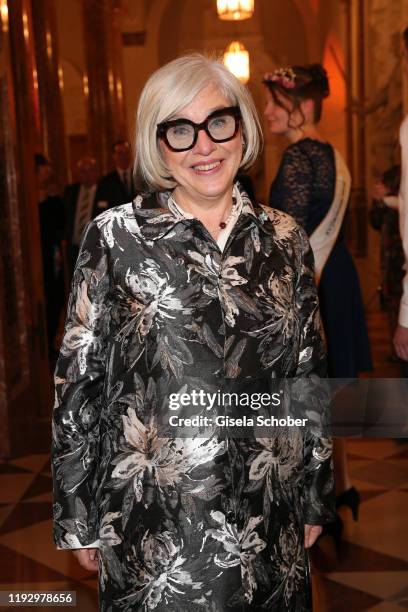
x=363, y=485
x=386, y=473
x=25, y=514
x=44, y=497
x=401, y=598
x=41, y=484
x=386, y=606
x=357, y=466
x=366, y=495
x=384, y=585
x=383, y=525
x=17, y=567
x=333, y=595
x=9, y=468
x=4, y=512
x=354, y=457
x=34, y=463
x=13, y=486
x=47, y=465
x=36, y=543
x=354, y=558
x=373, y=449
x=401, y=456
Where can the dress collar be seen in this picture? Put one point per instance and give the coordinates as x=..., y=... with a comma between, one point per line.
x=155, y=219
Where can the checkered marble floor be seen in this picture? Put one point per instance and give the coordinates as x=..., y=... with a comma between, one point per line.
x=28, y=558
x=371, y=572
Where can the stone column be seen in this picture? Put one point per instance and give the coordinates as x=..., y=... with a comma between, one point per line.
x=356, y=121
x=49, y=78
x=104, y=79
x=24, y=377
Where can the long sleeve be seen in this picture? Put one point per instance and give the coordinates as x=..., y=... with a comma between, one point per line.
x=311, y=389
x=79, y=381
x=291, y=190
x=403, y=212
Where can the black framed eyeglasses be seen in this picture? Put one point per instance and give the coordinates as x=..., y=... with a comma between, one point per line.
x=181, y=134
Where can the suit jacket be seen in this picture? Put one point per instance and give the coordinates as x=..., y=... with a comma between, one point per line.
x=112, y=191
x=71, y=195
x=156, y=308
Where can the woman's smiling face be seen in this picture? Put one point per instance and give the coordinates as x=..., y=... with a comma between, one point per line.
x=206, y=172
x=276, y=116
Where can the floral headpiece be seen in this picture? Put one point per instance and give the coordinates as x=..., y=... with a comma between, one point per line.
x=283, y=76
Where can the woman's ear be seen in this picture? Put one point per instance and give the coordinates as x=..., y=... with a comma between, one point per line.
x=307, y=107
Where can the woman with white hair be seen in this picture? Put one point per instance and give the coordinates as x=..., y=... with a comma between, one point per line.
x=188, y=291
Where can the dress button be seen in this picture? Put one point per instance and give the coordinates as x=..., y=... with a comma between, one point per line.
x=230, y=517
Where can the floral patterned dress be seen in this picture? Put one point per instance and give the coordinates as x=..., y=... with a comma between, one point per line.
x=207, y=523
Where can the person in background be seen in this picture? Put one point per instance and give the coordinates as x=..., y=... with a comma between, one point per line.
x=384, y=218
x=79, y=202
x=118, y=186
x=313, y=186
x=51, y=217
x=401, y=332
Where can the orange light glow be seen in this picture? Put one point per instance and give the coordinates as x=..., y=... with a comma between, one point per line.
x=236, y=59
x=4, y=15
x=235, y=10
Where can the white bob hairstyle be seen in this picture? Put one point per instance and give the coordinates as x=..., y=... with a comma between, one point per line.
x=171, y=88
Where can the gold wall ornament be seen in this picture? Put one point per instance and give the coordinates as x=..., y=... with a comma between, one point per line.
x=236, y=59
x=235, y=10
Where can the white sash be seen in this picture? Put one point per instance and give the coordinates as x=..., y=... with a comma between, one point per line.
x=325, y=235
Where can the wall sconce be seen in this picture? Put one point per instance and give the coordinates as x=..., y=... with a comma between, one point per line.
x=236, y=59
x=235, y=10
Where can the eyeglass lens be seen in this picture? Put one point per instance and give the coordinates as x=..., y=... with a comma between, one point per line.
x=220, y=128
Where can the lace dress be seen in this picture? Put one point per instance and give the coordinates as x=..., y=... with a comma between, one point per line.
x=304, y=188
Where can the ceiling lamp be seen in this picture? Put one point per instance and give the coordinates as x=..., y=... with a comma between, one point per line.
x=4, y=15
x=235, y=10
x=236, y=59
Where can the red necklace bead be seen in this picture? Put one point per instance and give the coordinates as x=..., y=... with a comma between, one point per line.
x=223, y=225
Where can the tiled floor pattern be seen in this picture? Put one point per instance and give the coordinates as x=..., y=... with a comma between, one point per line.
x=28, y=559
x=370, y=573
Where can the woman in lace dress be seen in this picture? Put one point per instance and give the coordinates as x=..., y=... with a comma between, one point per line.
x=191, y=288
x=312, y=185
x=305, y=188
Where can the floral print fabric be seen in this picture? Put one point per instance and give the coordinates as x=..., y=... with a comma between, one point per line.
x=210, y=523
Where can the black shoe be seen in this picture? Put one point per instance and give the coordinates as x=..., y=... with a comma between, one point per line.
x=334, y=530
x=350, y=498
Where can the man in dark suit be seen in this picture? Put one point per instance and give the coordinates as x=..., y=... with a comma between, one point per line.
x=51, y=218
x=116, y=187
x=79, y=203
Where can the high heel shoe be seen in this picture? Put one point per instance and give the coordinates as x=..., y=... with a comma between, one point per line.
x=350, y=498
x=334, y=530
